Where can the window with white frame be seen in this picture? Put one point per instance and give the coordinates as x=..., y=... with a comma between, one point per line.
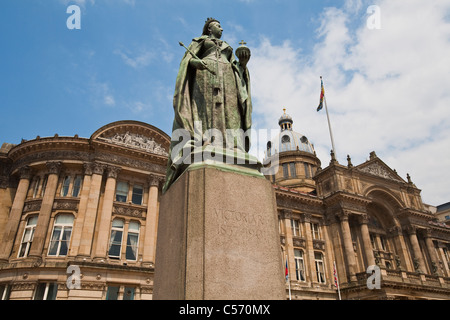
x=46, y=291
x=320, y=269
x=299, y=265
x=132, y=241
x=62, y=231
x=27, y=237
x=122, y=191
x=295, y=227
x=115, y=242
x=315, y=230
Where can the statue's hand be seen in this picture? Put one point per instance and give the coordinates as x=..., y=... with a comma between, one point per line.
x=244, y=57
x=198, y=64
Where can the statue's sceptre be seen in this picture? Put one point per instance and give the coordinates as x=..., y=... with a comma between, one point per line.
x=195, y=56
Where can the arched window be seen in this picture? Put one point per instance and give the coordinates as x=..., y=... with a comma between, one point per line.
x=132, y=241
x=115, y=242
x=27, y=237
x=299, y=265
x=285, y=143
x=62, y=230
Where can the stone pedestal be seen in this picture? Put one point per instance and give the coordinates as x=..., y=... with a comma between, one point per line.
x=218, y=237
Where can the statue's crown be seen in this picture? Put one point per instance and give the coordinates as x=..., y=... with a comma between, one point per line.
x=207, y=22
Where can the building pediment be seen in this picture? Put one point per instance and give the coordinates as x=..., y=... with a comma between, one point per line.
x=376, y=167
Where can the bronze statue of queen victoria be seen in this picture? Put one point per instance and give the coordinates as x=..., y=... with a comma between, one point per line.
x=212, y=98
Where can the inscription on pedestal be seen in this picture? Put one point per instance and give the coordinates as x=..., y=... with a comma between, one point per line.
x=246, y=226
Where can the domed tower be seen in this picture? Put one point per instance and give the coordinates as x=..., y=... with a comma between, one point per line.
x=297, y=160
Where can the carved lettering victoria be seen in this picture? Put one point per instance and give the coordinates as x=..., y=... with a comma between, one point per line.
x=240, y=225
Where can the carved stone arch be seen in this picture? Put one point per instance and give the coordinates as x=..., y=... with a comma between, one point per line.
x=134, y=134
x=383, y=206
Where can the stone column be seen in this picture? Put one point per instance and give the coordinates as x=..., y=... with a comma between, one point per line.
x=286, y=216
x=95, y=173
x=402, y=250
x=106, y=213
x=368, y=250
x=431, y=251
x=348, y=246
x=310, y=263
x=15, y=214
x=445, y=265
x=151, y=222
x=77, y=233
x=416, y=248
x=40, y=234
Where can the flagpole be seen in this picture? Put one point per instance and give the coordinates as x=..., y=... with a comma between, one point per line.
x=288, y=277
x=329, y=124
x=337, y=280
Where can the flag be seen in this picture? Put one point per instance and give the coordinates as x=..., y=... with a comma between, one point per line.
x=335, y=276
x=286, y=272
x=322, y=94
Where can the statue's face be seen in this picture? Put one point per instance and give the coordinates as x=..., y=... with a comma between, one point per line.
x=215, y=30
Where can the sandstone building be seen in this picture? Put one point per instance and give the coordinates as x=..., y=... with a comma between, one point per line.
x=79, y=216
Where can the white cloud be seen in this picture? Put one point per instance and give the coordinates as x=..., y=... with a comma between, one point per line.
x=141, y=59
x=100, y=93
x=387, y=89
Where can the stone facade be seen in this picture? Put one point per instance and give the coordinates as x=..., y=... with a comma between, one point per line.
x=79, y=217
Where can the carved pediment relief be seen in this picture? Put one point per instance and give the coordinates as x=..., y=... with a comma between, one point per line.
x=380, y=170
x=137, y=141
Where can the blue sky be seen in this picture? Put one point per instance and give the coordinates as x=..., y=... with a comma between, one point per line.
x=387, y=89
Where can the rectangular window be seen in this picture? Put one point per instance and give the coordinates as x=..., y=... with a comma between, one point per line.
x=27, y=237
x=285, y=170
x=320, y=271
x=372, y=241
x=76, y=186
x=138, y=191
x=36, y=187
x=122, y=191
x=132, y=241
x=62, y=230
x=65, y=186
x=128, y=293
x=115, y=242
x=44, y=185
x=315, y=230
x=383, y=243
x=112, y=293
x=295, y=227
x=307, y=171
x=292, y=168
x=46, y=291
